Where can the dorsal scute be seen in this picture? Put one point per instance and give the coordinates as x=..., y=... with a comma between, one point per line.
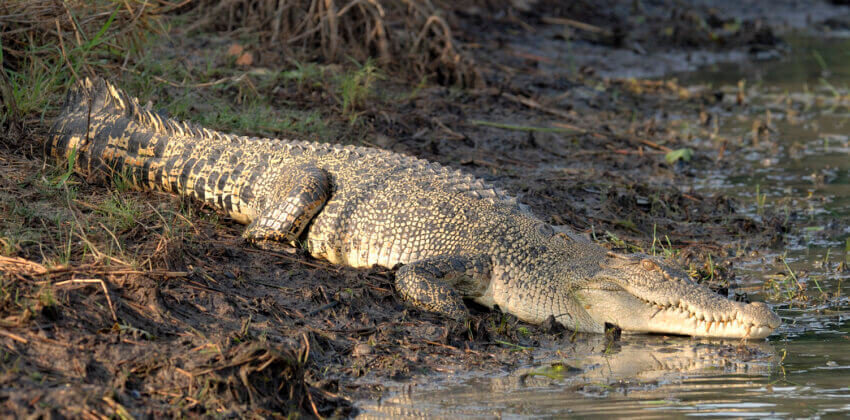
x=99, y=96
x=353, y=151
x=195, y=131
x=176, y=127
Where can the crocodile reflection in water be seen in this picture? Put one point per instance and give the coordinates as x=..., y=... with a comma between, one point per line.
x=592, y=366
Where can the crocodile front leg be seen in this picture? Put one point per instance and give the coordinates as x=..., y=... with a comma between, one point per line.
x=438, y=284
x=297, y=196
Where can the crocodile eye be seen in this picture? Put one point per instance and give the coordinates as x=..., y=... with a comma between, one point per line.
x=648, y=265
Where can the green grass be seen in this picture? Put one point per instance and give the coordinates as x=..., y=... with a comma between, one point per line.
x=63, y=255
x=674, y=156
x=121, y=212
x=151, y=71
x=257, y=117
x=615, y=240
x=355, y=87
x=665, y=251
x=35, y=90
x=122, y=181
x=304, y=75
x=785, y=287
x=761, y=199
x=50, y=64
x=219, y=95
x=821, y=62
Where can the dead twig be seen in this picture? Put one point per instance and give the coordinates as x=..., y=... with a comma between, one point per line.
x=576, y=24
x=13, y=336
x=454, y=135
x=531, y=103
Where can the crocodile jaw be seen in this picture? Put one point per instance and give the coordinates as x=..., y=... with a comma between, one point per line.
x=632, y=314
x=639, y=293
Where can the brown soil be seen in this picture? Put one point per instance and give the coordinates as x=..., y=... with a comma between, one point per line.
x=173, y=315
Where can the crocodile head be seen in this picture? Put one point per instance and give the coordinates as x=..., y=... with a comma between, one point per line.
x=643, y=294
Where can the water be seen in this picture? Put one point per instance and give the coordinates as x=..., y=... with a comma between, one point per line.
x=649, y=377
x=800, y=172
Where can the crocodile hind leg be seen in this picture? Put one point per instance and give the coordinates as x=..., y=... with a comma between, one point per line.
x=300, y=193
x=438, y=284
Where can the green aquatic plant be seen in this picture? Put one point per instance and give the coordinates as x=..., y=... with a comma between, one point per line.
x=684, y=154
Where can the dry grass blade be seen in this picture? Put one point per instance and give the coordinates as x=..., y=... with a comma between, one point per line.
x=22, y=266
x=13, y=336
x=410, y=35
x=576, y=24
x=531, y=103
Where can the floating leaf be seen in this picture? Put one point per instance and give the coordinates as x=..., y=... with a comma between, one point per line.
x=555, y=371
x=683, y=154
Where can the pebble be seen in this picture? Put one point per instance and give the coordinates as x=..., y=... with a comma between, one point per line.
x=361, y=349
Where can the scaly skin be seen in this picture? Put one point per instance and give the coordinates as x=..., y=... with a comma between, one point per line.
x=455, y=236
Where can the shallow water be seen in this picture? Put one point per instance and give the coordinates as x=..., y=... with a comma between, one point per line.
x=801, y=171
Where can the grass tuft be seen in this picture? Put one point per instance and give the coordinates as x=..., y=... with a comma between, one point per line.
x=355, y=88
x=45, y=45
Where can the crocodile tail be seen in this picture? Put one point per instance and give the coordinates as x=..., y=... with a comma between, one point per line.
x=88, y=101
x=94, y=98
x=107, y=100
x=93, y=101
x=97, y=96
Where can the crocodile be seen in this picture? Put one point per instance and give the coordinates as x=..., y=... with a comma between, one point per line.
x=448, y=235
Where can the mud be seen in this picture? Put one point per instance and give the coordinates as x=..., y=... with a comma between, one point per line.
x=197, y=323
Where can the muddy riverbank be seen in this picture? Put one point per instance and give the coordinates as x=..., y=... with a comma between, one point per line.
x=118, y=302
x=795, y=167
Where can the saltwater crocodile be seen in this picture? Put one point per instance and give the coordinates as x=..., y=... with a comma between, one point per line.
x=452, y=235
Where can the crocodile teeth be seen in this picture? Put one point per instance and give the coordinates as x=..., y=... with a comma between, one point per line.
x=656, y=313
